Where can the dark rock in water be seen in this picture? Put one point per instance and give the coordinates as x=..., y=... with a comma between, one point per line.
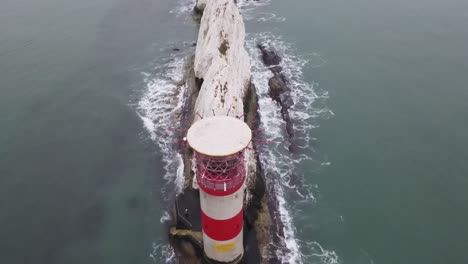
x=276, y=88
x=276, y=69
x=286, y=100
x=279, y=91
x=269, y=56
x=279, y=85
x=278, y=241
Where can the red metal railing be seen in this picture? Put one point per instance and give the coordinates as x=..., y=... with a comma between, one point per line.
x=220, y=173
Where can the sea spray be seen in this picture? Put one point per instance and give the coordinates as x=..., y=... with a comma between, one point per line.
x=284, y=180
x=160, y=108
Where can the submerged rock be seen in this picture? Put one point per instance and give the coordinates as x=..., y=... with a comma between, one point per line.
x=279, y=85
x=269, y=56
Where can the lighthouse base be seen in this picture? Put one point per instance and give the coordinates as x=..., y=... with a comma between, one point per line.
x=207, y=260
x=229, y=251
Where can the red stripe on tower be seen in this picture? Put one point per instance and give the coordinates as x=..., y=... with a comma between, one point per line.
x=219, y=144
x=222, y=230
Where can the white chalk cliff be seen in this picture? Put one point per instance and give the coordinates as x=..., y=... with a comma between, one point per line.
x=223, y=63
x=221, y=59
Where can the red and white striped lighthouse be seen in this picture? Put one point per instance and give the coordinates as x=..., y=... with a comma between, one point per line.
x=219, y=144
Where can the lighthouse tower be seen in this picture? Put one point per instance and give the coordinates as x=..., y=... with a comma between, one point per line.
x=219, y=144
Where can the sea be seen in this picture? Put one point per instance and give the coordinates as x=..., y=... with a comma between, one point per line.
x=90, y=108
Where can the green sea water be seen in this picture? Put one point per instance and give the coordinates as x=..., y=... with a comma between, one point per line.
x=81, y=179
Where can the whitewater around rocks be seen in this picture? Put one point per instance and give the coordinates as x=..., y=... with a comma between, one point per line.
x=160, y=108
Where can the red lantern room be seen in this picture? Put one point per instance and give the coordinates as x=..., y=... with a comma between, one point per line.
x=219, y=144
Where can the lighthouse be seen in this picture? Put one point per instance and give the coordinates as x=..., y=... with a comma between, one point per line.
x=219, y=143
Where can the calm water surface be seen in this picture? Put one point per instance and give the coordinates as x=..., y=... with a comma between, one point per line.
x=80, y=180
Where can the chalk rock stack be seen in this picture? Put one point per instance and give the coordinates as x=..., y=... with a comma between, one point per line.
x=223, y=64
x=221, y=60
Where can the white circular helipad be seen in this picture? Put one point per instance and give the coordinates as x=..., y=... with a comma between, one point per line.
x=219, y=136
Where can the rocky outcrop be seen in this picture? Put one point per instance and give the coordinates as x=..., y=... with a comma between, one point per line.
x=223, y=65
x=269, y=56
x=201, y=4
x=221, y=60
x=217, y=83
x=279, y=85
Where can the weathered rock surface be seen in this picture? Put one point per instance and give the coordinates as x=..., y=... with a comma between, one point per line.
x=201, y=4
x=269, y=56
x=218, y=83
x=221, y=59
x=279, y=85
x=223, y=64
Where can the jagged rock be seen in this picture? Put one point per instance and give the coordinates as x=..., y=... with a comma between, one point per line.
x=223, y=66
x=276, y=69
x=269, y=56
x=276, y=87
x=219, y=84
x=201, y=4
x=279, y=88
x=221, y=59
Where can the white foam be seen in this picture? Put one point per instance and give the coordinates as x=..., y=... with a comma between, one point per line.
x=165, y=217
x=304, y=94
x=317, y=254
x=276, y=159
x=270, y=17
x=243, y=4
x=272, y=161
x=183, y=7
x=159, y=109
x=248, y=8
x=162, y=253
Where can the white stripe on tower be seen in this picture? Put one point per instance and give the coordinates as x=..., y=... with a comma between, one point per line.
x=219, y=143
x=222, y=222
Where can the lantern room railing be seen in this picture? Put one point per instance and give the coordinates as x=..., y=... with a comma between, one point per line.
x=220, y=173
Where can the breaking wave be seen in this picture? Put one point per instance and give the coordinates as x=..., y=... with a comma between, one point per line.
x=247, y=7
x=270, y=17
x=283, y=176
x=160, y=108
x=161, y=104
x=183, y=7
